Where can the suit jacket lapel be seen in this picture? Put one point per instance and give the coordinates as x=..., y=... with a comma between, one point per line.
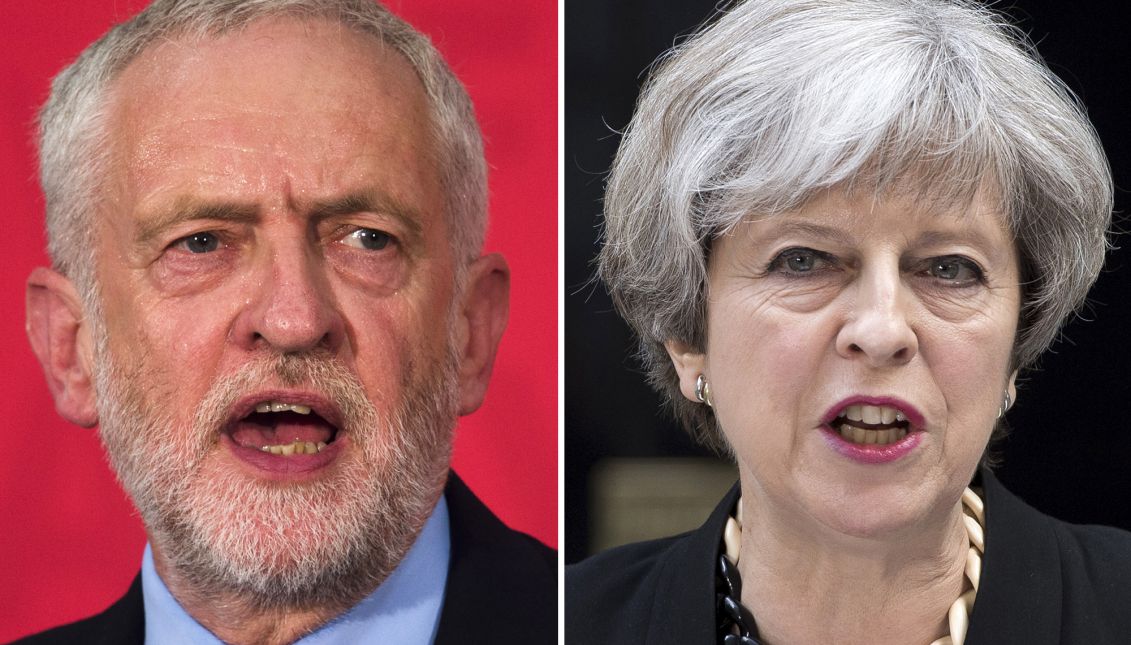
x=501, y=584
x=684, y=606
x=1020, y=596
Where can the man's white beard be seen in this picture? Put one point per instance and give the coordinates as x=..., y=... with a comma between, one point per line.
x=325, y=543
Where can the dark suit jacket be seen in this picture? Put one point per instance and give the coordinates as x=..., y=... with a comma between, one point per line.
x=1043, y=582
x=502, y=588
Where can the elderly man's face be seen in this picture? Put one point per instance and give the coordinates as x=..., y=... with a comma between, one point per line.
x=276, y=277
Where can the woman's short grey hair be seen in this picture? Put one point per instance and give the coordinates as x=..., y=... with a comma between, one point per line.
x=72, y=136
x=779, y=100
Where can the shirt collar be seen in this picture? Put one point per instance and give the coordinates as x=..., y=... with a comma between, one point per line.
x=404, y=609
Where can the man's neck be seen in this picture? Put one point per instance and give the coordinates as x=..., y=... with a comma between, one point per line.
x=407, y=603
x=232, y=619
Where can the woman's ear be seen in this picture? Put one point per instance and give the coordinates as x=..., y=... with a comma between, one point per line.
x=689, y=363
x=1011, y=388
x=60, y=338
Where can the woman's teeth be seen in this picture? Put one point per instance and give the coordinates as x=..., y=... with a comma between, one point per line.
x=296, y=448
x=849, y=422
x=879, y=437
x=874, y=414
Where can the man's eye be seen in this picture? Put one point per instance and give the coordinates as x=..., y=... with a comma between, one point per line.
x=368, y=239
x=955, y=270
x=799, y=260
x=199, y=243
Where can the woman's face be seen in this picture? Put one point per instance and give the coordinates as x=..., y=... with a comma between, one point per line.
x=857, y=354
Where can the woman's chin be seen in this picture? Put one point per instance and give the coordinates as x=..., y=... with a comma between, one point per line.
x=883, y=520
x=896, y=508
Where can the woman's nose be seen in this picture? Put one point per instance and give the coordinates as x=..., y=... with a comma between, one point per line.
x=877, y=327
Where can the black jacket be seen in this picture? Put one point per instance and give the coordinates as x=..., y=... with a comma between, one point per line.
x=1043, y=582
x=502, y=588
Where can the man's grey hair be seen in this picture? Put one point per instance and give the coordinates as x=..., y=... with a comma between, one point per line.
x=73, y=146
x=780, y=100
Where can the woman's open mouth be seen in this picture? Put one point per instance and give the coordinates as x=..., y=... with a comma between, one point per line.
x=874, y=430
x=871, y=424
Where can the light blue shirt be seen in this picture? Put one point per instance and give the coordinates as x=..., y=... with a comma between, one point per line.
x=405, y=609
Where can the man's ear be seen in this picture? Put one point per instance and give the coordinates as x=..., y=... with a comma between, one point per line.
x=61, y=341
x=689, y=364
x=483, y=317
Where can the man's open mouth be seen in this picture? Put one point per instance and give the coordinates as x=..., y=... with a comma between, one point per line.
x=284, y=428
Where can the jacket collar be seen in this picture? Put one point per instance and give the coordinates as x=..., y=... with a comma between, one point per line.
x=684, y=607
x=501, y=584
x=1020, y=596
x=1019, y=600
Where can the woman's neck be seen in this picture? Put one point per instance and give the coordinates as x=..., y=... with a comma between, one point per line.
x=806, y=584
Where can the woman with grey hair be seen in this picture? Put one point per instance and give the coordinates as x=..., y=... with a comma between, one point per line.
x=841, y=228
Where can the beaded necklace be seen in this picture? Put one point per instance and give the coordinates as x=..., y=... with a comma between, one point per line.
x=736, y=623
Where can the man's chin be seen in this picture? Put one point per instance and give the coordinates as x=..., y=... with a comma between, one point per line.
x=319, y=541
x=306, y=531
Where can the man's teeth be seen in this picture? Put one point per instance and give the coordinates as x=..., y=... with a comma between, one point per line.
x=874, y=414
x=879, y=437
x=275, y=406
x=296, y=448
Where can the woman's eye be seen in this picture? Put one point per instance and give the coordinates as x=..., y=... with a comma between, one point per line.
x=369, y=239
x=956, y=270
x=199, y=242
x=800, y=260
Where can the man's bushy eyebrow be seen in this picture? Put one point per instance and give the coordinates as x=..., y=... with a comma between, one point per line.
x=188, y=210
x=368, y=202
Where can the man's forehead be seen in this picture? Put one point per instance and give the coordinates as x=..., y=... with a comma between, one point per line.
x=272, y=62
x=281, y=102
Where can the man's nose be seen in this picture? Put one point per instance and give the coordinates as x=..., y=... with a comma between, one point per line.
x=878, y=328
x=290, y=307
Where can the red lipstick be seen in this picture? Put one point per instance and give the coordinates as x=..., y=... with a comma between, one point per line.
x=876, y=429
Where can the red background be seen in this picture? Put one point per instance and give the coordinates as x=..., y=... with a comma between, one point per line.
x=70, y=539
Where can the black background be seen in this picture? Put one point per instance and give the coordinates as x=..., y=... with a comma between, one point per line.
x=1069, y=447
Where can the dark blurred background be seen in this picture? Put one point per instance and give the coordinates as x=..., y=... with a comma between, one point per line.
x=1068, y=450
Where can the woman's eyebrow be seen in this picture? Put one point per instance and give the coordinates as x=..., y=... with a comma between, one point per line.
x=780, y=228
x=967, y=236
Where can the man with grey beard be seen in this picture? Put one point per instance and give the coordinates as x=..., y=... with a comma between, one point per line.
x=265, y=219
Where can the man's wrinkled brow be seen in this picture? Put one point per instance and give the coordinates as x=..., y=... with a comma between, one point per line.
x=368, y=203
x=188, y=210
